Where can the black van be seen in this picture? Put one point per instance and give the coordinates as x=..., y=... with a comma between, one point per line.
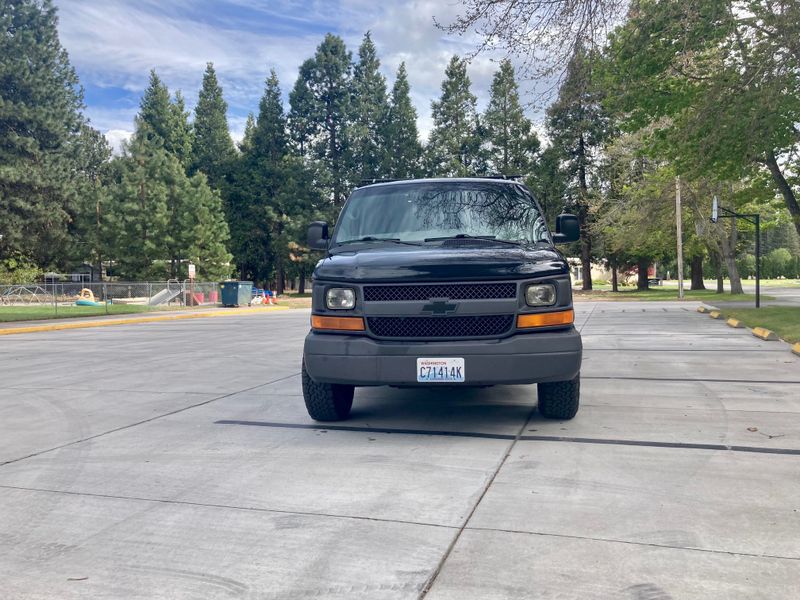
x=441, y=282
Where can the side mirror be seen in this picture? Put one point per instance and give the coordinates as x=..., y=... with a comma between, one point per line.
x=318, y=235
x=568, y=229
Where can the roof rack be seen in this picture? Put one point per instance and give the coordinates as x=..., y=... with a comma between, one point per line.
x=364, y=182
x=500, y=176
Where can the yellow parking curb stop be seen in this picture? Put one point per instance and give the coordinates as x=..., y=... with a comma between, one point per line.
x=796, y=349
x=715, y=314
x=735, y=323
x=703, y=309
x=764, y=334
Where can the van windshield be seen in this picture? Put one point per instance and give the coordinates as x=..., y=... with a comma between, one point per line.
x=432, y=211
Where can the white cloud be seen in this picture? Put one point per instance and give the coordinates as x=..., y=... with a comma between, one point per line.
x=116, y=138
x=114, y=43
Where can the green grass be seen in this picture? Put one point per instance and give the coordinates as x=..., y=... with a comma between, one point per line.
x=47, y=311
x=783, y=320
x=661, y=293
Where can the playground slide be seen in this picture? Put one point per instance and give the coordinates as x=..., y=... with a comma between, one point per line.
x=164, y=296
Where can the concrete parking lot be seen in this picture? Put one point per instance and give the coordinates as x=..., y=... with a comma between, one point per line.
x=176, y=460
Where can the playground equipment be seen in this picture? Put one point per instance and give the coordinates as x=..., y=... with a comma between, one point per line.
x=263, y=296
x=20, y=295
x=86, y=298
x=167, y=295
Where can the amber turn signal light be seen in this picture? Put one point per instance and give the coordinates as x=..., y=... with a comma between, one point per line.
x=337, y=323
x=562, y=317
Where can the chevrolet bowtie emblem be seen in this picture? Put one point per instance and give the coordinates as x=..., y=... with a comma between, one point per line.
x=439, y=307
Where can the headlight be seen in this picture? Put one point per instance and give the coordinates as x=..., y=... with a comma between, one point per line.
x=540, y=294
x=340, y=299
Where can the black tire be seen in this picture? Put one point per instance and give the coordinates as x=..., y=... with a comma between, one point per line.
x=560, y=399
x=326, y=401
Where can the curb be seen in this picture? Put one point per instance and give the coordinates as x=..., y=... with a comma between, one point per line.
x=134, y=320
x=764, y=334
x=760, y=332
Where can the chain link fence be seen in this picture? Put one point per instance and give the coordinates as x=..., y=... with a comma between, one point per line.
x=59, y=299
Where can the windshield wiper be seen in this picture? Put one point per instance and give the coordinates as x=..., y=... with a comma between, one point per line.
x=466, y=236
x=370, y=238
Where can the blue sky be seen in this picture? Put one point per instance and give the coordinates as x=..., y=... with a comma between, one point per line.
x=113, y=44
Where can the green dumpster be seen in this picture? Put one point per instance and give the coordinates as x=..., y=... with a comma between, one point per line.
x=236, y=293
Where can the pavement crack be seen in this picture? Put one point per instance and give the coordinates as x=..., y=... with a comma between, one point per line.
x=432, y=579
x=633, y=543
x=589, y=316
x=688, y=379
x=226, y=506
x=144, y=421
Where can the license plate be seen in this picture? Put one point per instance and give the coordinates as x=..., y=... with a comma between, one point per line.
x=440, y=370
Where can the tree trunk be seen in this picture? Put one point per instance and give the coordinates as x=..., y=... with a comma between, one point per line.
x=697, y=272
x=728, y=244
x=583, y=215
x=642, y=283
x=716, y=262
x=586, y=259
x=301, y=286
x=614, y=277
x=98, y=237
x=785, y=189
x=733, y=274
x=281, y=279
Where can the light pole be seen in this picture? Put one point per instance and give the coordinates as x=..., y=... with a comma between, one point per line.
x=679, y=227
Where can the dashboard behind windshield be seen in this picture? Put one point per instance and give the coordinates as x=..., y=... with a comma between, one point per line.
x=419, y=212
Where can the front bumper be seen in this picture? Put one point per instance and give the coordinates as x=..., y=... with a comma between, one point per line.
x=523, y=358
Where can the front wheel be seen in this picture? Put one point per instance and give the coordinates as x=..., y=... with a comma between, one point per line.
x=326, y=401
x=560, y=399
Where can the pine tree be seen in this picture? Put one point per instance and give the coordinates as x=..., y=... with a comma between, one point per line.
x=247, y=138
x=212, y=149
x=168, y=121
x=90, y=222
x=40, y=121
x=138, y=215
x=181, y=137
x=154, y=110
x=207, y=243
x=160, y=219
x=302, y=120
x=513, y=144
x=578, y=126
x=269, y=136
x=322, y=96
x=369, y=112
x=252, y=212
x=403, y=149
x=454, y=146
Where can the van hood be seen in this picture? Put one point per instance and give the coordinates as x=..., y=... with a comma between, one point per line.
x=396, y=263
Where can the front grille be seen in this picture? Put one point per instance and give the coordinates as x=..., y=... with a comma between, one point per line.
x=462, y=291
x=440, y=327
